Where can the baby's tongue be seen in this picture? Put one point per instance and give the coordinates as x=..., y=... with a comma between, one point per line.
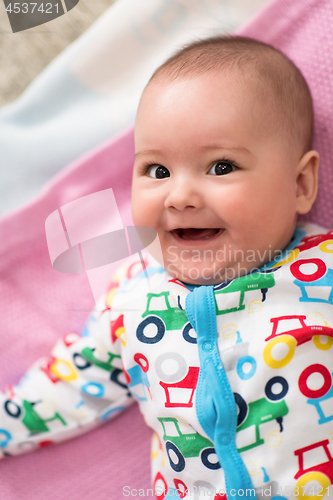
x=198, y=234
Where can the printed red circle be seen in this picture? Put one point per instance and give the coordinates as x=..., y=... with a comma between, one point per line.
x=164, y=491
x=127, y=376
x=142, y=361
x=43, y=444
x=297, y=273
x=130, y=273
x=303, y=379
x=71, y=338
x=181, y=487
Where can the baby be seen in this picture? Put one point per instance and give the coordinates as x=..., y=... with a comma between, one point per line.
x=228, y=126
x=234, y=377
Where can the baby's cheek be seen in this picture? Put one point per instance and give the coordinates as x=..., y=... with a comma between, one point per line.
x=141, y=210
x=239, y=207
x=147, y=207
x=139, y=216
x=254, y=206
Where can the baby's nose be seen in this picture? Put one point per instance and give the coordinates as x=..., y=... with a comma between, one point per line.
x=184, y=194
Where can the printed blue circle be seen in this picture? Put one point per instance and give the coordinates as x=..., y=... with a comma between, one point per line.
x=180, y=464
x=204, y=459
x=7, y=436
x=80, y=361
x=186, y=334
x=110, y=412
x=93, y=389
x=284, y=388
x=241, y=362
x=12, y=409
x=150, y=320
x=242, y=408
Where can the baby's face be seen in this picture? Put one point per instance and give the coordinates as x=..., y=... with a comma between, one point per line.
x=213, y=177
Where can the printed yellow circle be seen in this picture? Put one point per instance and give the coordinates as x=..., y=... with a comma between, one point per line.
x=323, y=246
x=319, y=477
x=323, y=346
x=122, y=335
x=291, y=256
x=163, y=459
x=64, y=366
x=274, y=438
x=110, y=296
x=255, y=306
x=279, y=363
x=155, y=446
x=229, y=331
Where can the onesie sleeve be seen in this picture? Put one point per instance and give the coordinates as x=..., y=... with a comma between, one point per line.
x=78, y=387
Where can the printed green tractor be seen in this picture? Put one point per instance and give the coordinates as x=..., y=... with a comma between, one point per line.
x=254, y=281
x=187, y=445
x=169, y=318
x=321, y=473
x=87, y=358
x=88, y=354
x=33, y=422
x=262, y=410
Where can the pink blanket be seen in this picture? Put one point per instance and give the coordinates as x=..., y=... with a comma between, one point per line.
x=39, y=304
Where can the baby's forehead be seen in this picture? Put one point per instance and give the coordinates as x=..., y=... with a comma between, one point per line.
x=255, y=78
x=212, y=87
x=268, y=76
x=207, y=111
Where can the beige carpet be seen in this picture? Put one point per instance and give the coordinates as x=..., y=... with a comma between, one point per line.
x=25, y=54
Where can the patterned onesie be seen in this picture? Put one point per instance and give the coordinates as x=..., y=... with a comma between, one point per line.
x=235, y=379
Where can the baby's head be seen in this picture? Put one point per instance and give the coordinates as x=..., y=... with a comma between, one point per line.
x=223, y=161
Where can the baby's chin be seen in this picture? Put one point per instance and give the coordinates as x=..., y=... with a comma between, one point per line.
x=213, y=275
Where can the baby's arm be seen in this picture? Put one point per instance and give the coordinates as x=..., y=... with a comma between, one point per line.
x=80, y=386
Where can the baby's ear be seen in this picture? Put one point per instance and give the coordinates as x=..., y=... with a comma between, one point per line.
x=307, y=181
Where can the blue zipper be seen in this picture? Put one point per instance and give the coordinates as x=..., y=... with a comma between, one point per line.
x=215, y=403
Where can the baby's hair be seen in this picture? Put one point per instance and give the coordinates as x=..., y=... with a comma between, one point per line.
x=267, y=69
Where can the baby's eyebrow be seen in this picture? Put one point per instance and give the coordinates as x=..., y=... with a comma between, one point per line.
x=241, y=149
x=146, y=152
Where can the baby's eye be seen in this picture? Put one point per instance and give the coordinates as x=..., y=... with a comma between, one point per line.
x=158, y=172
x=222, y=168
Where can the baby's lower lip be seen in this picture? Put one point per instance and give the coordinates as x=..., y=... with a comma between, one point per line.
x=196, y=234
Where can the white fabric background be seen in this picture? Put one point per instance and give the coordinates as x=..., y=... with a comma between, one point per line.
x=91, y=91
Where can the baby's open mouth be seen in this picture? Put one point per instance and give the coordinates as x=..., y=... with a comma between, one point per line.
x=194, y=233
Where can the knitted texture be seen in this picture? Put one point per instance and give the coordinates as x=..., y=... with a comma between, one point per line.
x=38, y=305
